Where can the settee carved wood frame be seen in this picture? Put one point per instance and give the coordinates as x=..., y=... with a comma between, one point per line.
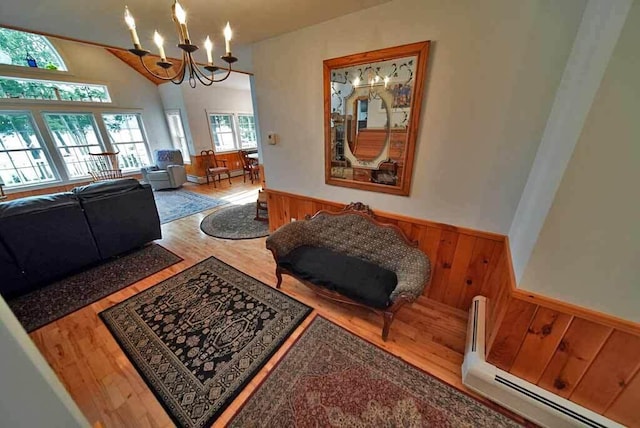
x=387, y=314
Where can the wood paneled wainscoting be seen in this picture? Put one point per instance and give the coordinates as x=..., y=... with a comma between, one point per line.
x=587, y=357
x=464, y=262
x=197, y=166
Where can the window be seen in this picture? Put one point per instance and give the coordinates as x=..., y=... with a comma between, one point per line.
x=247, y=131
x=34, y=89
x=125, y=133
x=225, y=127
x=23, y=159
x=20, y=48
x=177, y=134
x=75, y=136
x=224, y=138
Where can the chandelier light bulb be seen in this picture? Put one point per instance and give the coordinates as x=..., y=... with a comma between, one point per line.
x=181, y=15
x=386, y=81
x=227, y=38
x=159, y=41
x=208, y=46
x=356, y=81
x=131, y=23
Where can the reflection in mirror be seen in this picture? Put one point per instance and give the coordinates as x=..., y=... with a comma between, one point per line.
x=370, y=118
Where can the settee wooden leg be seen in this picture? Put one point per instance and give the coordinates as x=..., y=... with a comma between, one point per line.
x=388, y=319
x=279, y=276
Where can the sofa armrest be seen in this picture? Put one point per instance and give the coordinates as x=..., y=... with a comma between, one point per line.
x=177, y=175
x=413, y=273
x=287, y=238
x=147, y=169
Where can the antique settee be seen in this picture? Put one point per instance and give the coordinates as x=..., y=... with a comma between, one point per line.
x=350, y=257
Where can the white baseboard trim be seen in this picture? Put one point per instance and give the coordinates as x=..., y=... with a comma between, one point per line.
x=519, y=396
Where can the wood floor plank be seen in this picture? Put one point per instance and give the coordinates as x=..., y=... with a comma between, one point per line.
x=108, y=389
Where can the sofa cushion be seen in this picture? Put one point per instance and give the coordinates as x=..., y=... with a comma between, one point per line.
x=106, y=188
x=357, y=279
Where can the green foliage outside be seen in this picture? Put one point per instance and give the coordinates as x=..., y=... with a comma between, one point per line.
x=16, y=44
x=50, y=90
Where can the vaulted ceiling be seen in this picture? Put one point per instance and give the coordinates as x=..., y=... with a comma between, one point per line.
x=101, y=21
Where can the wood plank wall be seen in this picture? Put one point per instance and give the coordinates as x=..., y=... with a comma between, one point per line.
x=587, y=357
x=464, y=262
x=234, y=163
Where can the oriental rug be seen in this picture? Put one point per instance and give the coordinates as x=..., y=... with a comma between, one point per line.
x=175, y=204
x=74, y=292
x=331, y=377
x=199, y=337
x=237, y=222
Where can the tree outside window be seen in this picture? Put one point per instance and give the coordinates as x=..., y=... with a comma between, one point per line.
x=15, y=45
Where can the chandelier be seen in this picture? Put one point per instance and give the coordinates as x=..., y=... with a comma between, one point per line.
x=189, y=68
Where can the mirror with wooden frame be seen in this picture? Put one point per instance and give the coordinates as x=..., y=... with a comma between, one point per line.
x=372, y=103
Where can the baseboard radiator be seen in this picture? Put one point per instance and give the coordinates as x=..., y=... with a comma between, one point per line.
x=521, y=397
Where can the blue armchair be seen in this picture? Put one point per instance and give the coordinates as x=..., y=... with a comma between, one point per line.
x=168, y=172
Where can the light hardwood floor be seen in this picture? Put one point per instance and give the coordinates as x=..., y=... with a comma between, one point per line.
x=108, y=389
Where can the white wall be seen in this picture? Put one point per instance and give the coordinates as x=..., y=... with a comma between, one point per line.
x=30, y=393
x=599, y=31
x=494, y=70
x=588, y=252
x=214, y=99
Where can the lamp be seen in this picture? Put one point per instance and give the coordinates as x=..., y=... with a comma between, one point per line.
x=189, y=68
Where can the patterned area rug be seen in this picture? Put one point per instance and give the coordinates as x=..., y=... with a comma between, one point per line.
x=175, y=204
x=54, y=301
x=236, y=222
x=199, y=337
x=332, y=378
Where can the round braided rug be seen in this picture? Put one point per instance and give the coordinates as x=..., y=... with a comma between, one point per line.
x=236, y=222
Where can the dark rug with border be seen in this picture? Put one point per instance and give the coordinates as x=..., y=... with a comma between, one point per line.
x=331, y=377
x=174, y=204
x=47, y=304
x=237, y=222
x=199, y=337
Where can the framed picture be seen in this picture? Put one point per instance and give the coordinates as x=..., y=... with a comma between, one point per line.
x=401, y=95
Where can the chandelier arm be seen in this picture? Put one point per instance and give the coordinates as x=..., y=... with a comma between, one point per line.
x=200, y=73
x=157, y=76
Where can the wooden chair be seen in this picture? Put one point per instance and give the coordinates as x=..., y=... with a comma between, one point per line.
x=212, y=167
x=261, y=205
x=105, y=166
x=249, y=166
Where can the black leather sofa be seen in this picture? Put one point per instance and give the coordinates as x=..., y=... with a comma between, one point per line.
x=43, y=238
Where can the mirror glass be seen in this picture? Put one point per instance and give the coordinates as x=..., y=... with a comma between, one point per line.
x=369, y=120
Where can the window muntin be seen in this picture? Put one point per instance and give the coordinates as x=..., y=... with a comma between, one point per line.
x=75, y=136
x=14, y=46
x=126, y=136
x=52, y=90
x=247, y=131
x=178, y=136
x=23, y=159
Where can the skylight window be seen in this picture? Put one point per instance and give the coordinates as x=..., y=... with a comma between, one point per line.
x=28, y=50
x=34, y=89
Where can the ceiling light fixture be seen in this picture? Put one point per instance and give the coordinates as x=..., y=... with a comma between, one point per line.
x=189, y=67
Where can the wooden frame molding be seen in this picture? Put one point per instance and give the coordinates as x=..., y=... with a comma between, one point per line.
x=421, y=50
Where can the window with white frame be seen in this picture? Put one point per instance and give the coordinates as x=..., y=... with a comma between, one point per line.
x=28, y=50
x=222, y=132
x=52, y=90
x=23, y=159
x=178, y=136
x=232, y=132
x=75, y=136
x=247, y=131
x=127, y=137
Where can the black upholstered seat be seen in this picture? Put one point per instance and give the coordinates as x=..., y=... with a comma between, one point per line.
x=358, y=279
